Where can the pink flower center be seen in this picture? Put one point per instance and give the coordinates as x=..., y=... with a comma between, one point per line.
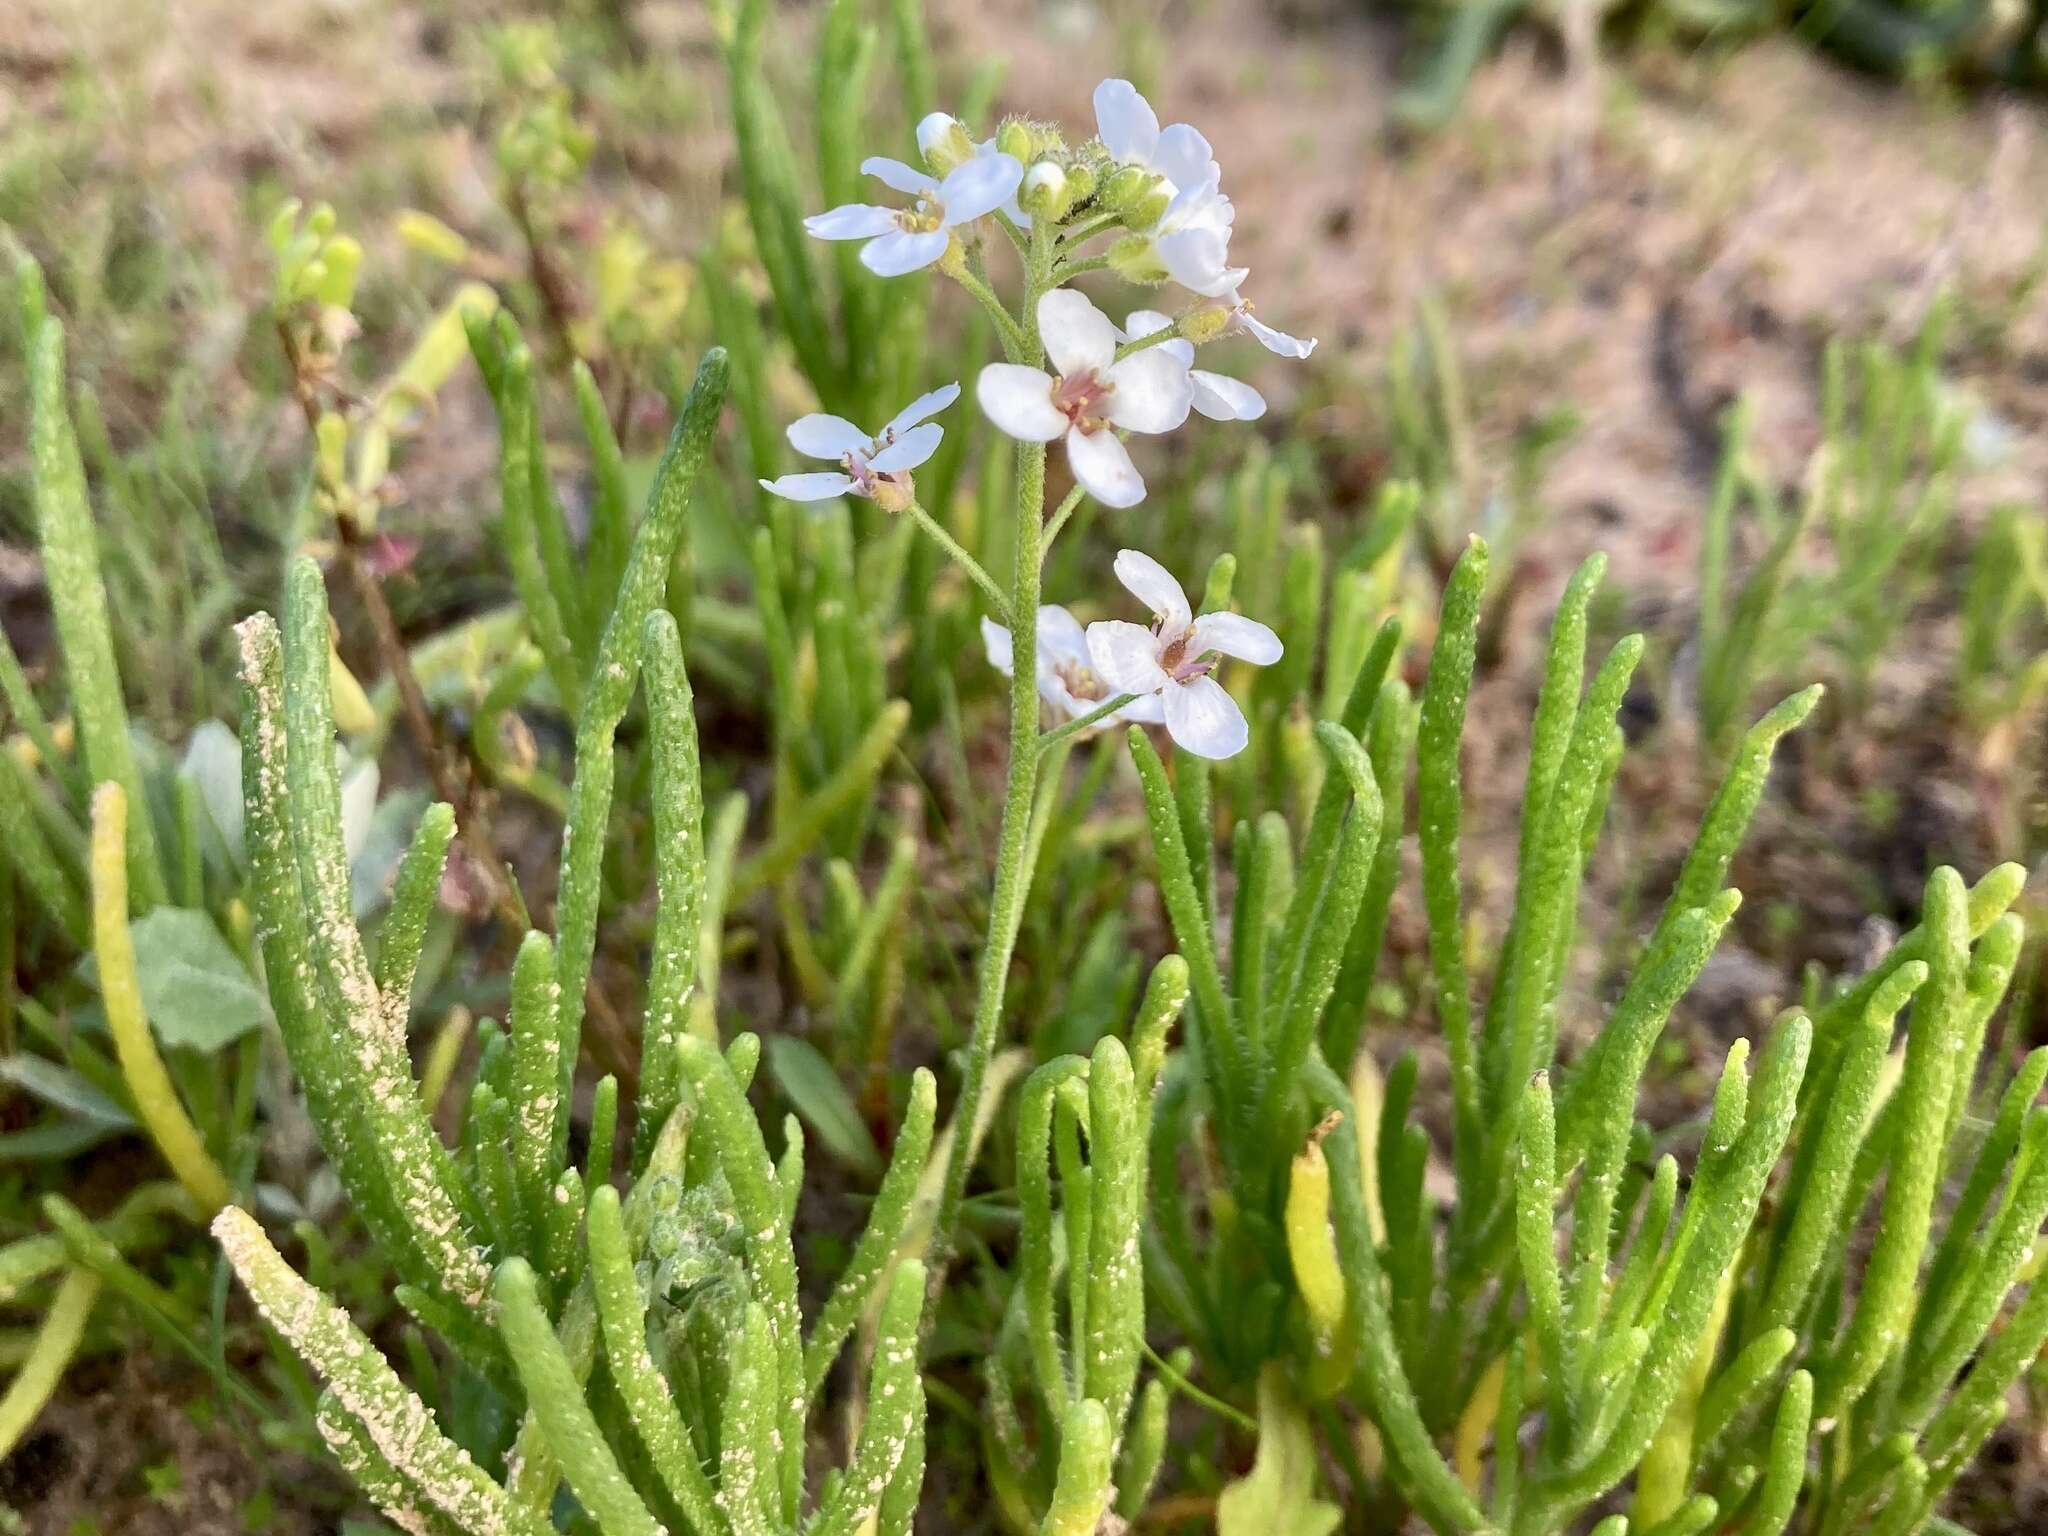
x=1177, y=664
x=1080, y=397
x=1081, y=681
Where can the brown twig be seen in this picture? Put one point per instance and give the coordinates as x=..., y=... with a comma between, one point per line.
x=452, y=780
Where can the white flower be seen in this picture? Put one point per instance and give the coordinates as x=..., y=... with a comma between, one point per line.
x=1067, y=679
x=901, y=240
x=869, y=464
x=1090, y=397
x=1192, y=239
x=1130, y=131
x=1217, y=396
x=940, y=137
x=1173, y=659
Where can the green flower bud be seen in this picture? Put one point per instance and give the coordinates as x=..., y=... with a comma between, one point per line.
x=1045, y=193
x=1125, y=187
x=1204, y=324
x=1014, y=140
x=944, y=143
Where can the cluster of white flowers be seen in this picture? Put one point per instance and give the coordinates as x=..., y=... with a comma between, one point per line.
x=1163, y=188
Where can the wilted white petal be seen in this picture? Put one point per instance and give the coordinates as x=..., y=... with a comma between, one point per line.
x=1183, y=156
x=852, y=221
x=996, y=641
x=1125, y=122
x=1126, y=656
x=901, y=251
x=1235, y=635
x=1077, y=336
x=1153, y=585
x=1203, y=719
x=1104, y=468
x=980, y=186
x=899, y=177
x=820, y=436
x=909, y=450
x=1221, y=398
x=1275, y=341
x=1151, y=390
x=1019, y=401
x=821, y=486
x=924, y=405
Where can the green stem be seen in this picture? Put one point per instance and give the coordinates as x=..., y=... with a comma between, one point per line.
x=1081, y=234
x=1076, y=268
x=1136, y=344
x=1014, y=344
x=1058, y=520
x=973, y=567
x=1013, y=866
x=1075, y=727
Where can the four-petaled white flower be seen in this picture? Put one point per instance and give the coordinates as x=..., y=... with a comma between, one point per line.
x=1217, y=396
x=937, y=131
x=1091, y=396
x=1067, y=679
x=1130, y=131
x=1174, y=658
x=901, y=240
x=869, y=465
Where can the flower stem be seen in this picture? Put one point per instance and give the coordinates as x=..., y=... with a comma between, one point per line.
x=1082, y=233
x=1013, y=863
x=999, y=605
x=1005, y=323
x=1151, y=339
x=1085, y=264
x=1059, y=519
x=1095, y=716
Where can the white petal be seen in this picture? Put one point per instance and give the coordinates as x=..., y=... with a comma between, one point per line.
x=1019, y=401
x=1147, y=709
x=1203, y=719
x=1198, y=259
x=1153, y=585
x=822, y=486
x=1235, y=635
x=1061, y=637
x=1126, y=656
x=1226, y=399
x=924, y=405
x=980, y=186
x=1125, y=122
x=909, y=450
x=1200, y=206
x=826, y=437
x=996, y=641
x=900, y=251
x=1144, y=322
x=1151, y=390
x=851, y=221
x=898, y=177
x=1077, y=336
x=1275, y=341
x=1104, y=468
x=1183, y=157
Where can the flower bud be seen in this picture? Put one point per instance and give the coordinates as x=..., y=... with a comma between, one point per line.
x=1146, y=211
x=1080, y=184
x=1125, y=187
x=1014, y=140
x=1312, y=1247
x=943, y=142
x=1045, y=193
x=1135, y=259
